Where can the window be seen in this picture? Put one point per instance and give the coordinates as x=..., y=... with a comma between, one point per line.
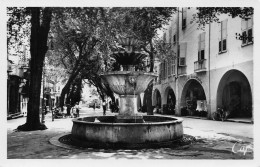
x=172, y=67
x=165, y=69
x=169, y=67
x=170, y=35
x=223, y=36
x=184, y=17
x=161, y=71
x=201, y=46
x=182, y=58
x=247, y=31
x=174, y=39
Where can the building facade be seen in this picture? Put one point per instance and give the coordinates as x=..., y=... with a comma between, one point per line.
x=206, y=68
x=17, y=87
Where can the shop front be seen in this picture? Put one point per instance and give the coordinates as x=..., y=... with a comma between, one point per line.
x=193, y=99
x=234, y=95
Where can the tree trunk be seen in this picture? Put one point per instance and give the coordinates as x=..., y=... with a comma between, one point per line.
x=38, y=45
x=65, y=89
x=149, y=89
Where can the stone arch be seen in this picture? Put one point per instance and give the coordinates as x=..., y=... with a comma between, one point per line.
x=194, y=99
x=170, y=101
x=157, y=99
x=234, y=94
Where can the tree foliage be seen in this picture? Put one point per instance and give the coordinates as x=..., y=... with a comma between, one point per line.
x=18, y=29
x=206, y=15
x=82, y=40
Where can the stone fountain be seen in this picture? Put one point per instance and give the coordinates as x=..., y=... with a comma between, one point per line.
x=128, y=128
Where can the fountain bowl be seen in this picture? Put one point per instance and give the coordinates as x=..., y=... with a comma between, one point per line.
x=104, y=129
x=128, y=82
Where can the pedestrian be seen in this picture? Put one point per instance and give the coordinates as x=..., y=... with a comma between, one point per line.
x=94, y=106
x=77, y=108
x=104, y=107
x=111, y=106
x=73, y=112
x=64, y=111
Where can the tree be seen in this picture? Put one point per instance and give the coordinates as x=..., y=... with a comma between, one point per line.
x=18, y=29
x=206, y=15
x=82, y=41
x=40, y=26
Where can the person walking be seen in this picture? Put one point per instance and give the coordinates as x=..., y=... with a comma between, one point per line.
x=104, y=107
x=73, y=112
x=77, y=108
x=94, y=106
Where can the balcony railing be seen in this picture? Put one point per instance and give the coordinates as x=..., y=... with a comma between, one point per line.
x=200, y=66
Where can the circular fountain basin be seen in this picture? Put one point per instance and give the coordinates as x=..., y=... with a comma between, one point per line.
x=128, y=82
x=103, y=129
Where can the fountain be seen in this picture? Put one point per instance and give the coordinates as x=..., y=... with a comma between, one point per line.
x=128, y=128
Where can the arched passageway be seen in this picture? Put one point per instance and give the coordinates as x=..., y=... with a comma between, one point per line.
x=169, y=108
x=157, y=100
x=234, y=95
x=139, y=103
x=194, y=99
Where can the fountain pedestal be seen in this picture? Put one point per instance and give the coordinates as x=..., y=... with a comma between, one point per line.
x=128, y=110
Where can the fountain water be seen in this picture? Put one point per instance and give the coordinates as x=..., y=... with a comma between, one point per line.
x=128, y=127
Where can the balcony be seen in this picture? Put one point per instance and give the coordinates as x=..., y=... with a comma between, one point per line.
x=200, y=66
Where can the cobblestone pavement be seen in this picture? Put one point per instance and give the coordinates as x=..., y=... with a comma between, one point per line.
x=209, y=144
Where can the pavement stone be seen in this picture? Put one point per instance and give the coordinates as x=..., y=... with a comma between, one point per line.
x=36, y=145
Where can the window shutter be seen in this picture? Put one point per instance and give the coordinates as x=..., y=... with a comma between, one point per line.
x=173, y=67
x=183, y=48
x=170, y=35
x=244, y=34
x=202, y=45
x=243, y=25
x=250, y=30
x=184, y=17
x=160, y=71
x=165, y=68
x=250, y=23
x=250, y=35
x=199, y=42
x=224, y=29
x=169, y=67
x=219, y=37
x=224, y=35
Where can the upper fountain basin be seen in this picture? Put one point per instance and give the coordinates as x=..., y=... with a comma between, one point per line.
x=128, y=82
x=128, y=58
